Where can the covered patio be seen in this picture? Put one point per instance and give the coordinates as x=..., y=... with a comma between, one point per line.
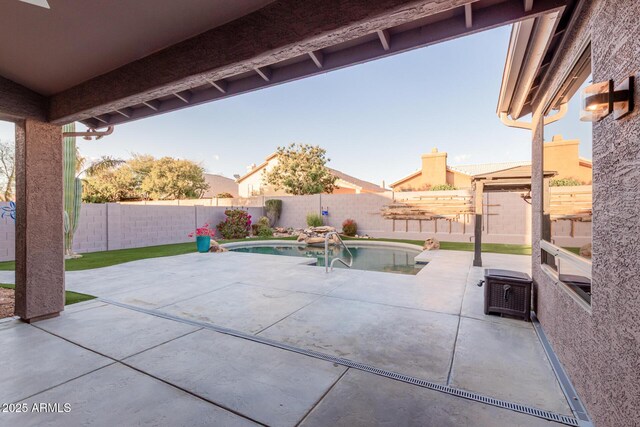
x=350, y=348
x=169, y=345
x=220, y=50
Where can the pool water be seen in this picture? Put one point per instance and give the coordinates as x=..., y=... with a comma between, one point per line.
x=385, y=259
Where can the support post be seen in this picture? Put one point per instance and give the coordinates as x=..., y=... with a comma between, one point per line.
x=477, y=259
x=546, y=231
x=39, y=221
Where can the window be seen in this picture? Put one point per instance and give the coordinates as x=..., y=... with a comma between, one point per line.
x=567, y=187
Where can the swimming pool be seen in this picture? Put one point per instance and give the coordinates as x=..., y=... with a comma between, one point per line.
x=388, y=259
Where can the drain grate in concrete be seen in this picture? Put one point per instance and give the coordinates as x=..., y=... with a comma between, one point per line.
x=517, y=407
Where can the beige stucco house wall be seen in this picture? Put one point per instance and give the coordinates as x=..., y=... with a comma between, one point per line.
x=561, y=156
x=219, y=184
x=251, y=183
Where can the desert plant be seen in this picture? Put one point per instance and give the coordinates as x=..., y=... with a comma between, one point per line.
x=236, y=225
x=224, y=195
x=265, y=231
x=349, y=227
x=273, y=209
x=261, y=228
x=443, y=187
x=72, y=189
x=564, y=182
x=314, y=220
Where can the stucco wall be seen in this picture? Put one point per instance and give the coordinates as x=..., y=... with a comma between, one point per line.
x=507, y=217
x=112, y=226
x=601, y=350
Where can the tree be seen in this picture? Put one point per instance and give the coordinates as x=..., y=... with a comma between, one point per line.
x=144, y=177
x=170, y=179
x=7, y=171
x=110, y=184
x=301, y=169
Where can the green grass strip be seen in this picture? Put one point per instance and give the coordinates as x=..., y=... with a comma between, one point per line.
x=107, y=258
x=69, y=297
x=499, y=248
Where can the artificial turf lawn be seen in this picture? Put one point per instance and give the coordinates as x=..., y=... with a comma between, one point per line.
x=498, y=248
x=69, y=297
x=104, y=259
x=107, y=258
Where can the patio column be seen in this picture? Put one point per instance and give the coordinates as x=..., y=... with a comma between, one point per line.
x=477, y=234
x=39, y=221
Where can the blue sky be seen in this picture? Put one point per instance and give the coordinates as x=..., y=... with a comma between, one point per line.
x=374, y=119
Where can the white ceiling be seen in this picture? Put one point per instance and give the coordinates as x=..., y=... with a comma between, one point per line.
x=50, y=50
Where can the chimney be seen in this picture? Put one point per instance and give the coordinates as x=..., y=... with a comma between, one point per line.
x=562, y=156
x=434, y=168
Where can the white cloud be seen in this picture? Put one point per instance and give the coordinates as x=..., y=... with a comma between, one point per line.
x=216, y=157
x=461, y=158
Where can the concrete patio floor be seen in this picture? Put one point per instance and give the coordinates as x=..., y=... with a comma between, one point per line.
x=117, y=363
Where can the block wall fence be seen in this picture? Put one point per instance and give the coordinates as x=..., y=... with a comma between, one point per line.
x=110, y=226
x=506, y=218
x=102, y=227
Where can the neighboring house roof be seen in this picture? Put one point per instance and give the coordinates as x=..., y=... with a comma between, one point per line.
x=585, y=162
x=219, y=184
x=364, y=185
x=257, y=168
x=406, y=178
x=486, y=168
x=470, y=170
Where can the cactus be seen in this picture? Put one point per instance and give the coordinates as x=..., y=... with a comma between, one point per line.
x=72, y=190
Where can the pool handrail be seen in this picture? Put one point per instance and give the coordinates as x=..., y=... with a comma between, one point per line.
x=326, y=252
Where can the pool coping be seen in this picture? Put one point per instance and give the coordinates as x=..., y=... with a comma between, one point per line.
x=424, y=257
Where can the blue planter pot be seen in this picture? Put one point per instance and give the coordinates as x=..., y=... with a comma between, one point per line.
x=203, y=243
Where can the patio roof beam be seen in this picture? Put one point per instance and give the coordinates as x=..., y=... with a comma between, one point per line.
x=528, y=5
x=468, y=15
x=184, y=96
x=317, y=57
x=281, y=30
x=154, y=104
x=18, y=103
x=125, y=112
x=385, y=39
x=265, y=73
x=220, y=85
x=103, y=119
x=353, y=53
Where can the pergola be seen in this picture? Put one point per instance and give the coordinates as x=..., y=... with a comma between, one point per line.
x=104, y=64
x=515, y=179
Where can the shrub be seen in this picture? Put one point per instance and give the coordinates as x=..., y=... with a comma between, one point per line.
x=237, y=224
x=564, y=182
x=314, y=220
x=265, y=231
x=263, y=222
x=273, y=209
x=443, y=187
x=261, y=228
x=224, y=196
x=349, y=227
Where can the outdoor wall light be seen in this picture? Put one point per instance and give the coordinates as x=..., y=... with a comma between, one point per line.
x=601, y=99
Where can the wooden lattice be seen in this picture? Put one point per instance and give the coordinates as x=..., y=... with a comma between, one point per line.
x=568, y=203
x=429, y=207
